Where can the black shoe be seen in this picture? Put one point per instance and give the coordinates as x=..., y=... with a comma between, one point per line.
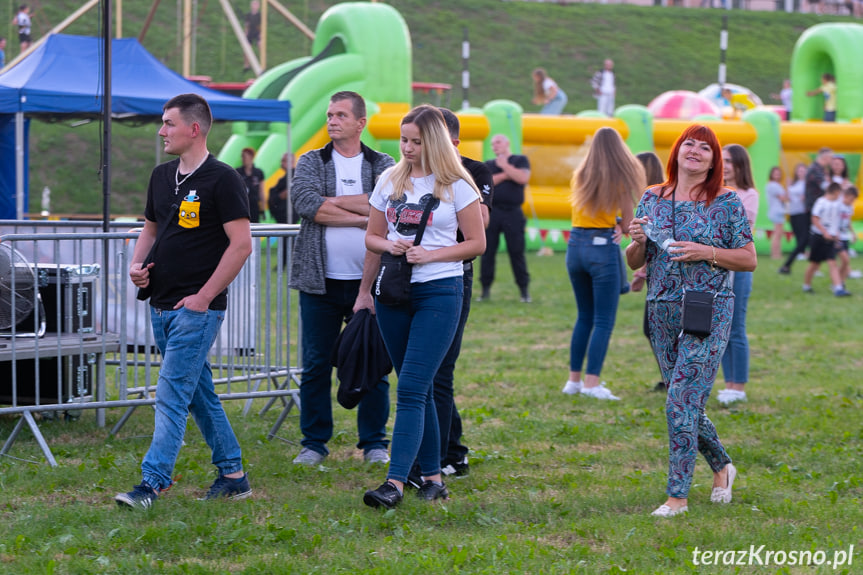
x=485, y=296
x=785, y=270
x=229, y=488
x=660, y=386
x=430, y=491
x=414, y=478
x=387, y=495
x=457, y=468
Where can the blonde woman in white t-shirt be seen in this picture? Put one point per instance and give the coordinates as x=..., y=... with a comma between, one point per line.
x=418, y=334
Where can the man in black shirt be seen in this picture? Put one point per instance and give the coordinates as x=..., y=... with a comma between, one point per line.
x=511, y=173
x=195, y=240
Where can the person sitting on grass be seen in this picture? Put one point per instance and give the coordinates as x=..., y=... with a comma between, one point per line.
x=824, y=235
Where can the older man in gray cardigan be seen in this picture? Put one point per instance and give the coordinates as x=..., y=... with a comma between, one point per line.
x=333, y=272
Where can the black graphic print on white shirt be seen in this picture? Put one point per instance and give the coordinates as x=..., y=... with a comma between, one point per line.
x=406, y=216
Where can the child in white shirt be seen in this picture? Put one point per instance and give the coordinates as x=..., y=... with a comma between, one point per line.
x=823, y=238
x=846, y=231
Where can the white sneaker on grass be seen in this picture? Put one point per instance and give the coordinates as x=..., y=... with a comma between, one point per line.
x=573, y=387
x=729, y=396
x=599, y=392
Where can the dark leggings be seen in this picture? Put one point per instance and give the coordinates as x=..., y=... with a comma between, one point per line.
x=800, y=226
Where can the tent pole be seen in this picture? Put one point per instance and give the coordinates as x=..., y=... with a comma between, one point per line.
x=106, y=118
x=19, y=165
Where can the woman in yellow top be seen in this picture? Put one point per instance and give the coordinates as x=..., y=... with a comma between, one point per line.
x=603, y=188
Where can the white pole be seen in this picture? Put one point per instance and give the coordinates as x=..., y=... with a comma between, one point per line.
x=465, y=74
x=19, y=165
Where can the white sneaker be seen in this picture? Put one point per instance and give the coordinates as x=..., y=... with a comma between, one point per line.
x=573, y=387
x=855, y=274
x=666, y=511
x=599, y=392
x=723, y=494
x=729, y=396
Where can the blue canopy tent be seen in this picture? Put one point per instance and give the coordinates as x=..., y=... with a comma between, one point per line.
x=62, y=77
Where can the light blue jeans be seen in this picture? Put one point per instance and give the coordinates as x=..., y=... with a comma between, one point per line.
x=735, y=360
x=555, y=105
x=184, y=338
x=418, y=335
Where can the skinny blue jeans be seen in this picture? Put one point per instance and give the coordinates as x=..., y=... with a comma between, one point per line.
x=593, y=262
x=417, y=336
x=184, y=338
x=735, y=360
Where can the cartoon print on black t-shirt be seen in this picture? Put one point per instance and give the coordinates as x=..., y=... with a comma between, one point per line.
x=406, y=217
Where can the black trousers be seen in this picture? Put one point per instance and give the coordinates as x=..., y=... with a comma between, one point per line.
x=800, y=224
x=510, y=222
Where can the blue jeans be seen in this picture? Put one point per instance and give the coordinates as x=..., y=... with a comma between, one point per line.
x=593, y=262
x=417, y=336
x=555, y=105
x=735, y=360
x=322, y=317
x=184, y=338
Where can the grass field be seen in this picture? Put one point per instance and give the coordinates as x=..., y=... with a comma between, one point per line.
x=558, y=484
x=655, y=49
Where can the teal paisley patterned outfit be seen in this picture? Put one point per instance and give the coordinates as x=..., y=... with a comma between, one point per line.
x=689, y=364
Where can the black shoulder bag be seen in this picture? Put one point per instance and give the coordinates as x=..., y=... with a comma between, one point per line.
x=145, y=292
x=393, y=284
x=697, y=314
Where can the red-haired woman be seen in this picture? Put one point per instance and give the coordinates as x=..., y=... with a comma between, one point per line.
x=709, y=236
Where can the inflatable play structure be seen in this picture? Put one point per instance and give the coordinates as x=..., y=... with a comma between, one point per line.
x=366, y=47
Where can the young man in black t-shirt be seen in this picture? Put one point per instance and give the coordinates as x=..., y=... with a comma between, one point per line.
x=195, y=240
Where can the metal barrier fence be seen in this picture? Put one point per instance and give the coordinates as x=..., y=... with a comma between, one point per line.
x=74, y=337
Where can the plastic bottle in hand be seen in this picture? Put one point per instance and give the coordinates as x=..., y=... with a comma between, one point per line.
x=659, y=236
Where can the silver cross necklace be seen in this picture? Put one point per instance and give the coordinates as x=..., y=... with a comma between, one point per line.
x=180, y=182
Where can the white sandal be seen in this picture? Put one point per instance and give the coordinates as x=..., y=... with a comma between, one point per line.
x=723, y=494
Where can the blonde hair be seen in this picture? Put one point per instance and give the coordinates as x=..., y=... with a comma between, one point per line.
x=608, y=175
x=438, y=157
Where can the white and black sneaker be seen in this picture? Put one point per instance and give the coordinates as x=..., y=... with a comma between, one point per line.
x=456, y=468
x=141, y=497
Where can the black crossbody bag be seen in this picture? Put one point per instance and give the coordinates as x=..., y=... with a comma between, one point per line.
x=697, y=306
x=392, y=286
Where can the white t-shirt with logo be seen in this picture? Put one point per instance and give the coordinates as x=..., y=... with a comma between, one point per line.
x=346, y=247
x=404, y=215
x=829, y=213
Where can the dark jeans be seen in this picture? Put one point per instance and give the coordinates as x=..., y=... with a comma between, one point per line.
x=449, y=422
x=322, y=319
x=593, y=262
x=510, y=222
x=418, y=335
x=800, y=224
